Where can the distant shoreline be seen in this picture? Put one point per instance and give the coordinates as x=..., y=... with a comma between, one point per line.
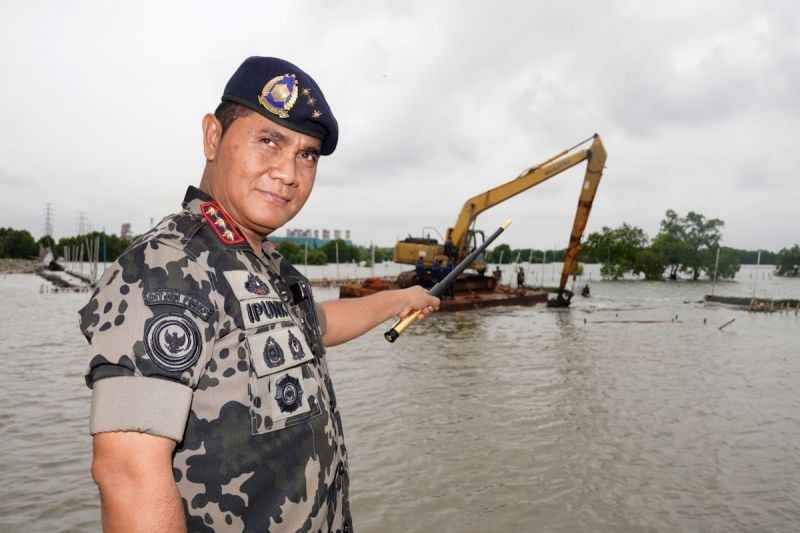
x=20, y=266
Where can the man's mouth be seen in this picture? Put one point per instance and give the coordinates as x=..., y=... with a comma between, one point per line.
x=275, y=198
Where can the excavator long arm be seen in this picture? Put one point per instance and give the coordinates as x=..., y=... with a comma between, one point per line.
x=533, y=176
x=594, y=171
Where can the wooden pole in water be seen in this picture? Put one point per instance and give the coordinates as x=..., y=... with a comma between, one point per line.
x=716, y=267
x=755, y=278
x=544, y=255
x=731, y=321
x=528, y=270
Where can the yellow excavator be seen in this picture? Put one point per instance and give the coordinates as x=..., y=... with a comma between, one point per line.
x=463, y=237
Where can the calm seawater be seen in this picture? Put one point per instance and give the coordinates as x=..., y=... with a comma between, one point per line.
x=506, y=419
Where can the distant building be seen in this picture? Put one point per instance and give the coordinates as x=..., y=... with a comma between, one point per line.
x=125, y=232
x=309, y=237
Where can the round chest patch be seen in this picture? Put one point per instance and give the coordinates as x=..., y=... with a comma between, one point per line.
x=288, y=394
x=173, y=342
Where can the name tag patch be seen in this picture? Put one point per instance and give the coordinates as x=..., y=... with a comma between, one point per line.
x=262, y=311
x=180, y=299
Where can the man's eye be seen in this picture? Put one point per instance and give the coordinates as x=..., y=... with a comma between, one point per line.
x=308, y=156
x=268, y=141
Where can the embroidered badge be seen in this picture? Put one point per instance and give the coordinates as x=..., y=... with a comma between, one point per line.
x=173, y=342
x=288, y=394
x=173, y=297
x=273, y=353
x=295, y=347
x=279, y=95
x=256, y=286
x=221, y=222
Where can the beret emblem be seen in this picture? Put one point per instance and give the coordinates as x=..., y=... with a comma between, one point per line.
x=279, y=95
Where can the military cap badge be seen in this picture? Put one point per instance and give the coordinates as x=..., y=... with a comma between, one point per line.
x=279, y=95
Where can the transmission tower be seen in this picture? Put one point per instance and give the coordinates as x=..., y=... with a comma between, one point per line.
x=82, y=223
x=48, y=219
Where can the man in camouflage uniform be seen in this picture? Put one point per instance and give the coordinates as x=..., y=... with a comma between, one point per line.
x=212, y=405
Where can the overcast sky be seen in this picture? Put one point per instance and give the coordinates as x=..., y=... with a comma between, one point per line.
x=696, y=102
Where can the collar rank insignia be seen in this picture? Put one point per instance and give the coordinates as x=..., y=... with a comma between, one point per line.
x=279, y=95
x=296, y=347
x=256, y=286
x=221, y=222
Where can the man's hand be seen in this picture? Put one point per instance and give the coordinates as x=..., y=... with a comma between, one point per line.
x=349, y=318
x=137, y=490
x=417, y=298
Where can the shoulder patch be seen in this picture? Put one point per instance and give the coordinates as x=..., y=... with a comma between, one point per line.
x=221, y=223
x=173, y=342
x=173, y=297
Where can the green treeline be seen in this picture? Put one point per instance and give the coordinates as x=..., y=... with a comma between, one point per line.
x=684, y=245
x=326, y=253
x=20, y=244
x=17, y=244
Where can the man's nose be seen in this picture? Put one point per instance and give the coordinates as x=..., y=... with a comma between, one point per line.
x=283, y=169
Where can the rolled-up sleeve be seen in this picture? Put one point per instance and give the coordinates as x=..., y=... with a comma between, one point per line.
x=134, y=403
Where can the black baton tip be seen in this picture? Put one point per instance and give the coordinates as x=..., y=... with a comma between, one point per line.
x=391, y=335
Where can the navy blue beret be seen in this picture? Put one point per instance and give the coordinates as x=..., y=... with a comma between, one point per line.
x=285, y=95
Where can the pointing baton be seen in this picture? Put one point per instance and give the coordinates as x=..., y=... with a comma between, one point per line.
x=404, y=323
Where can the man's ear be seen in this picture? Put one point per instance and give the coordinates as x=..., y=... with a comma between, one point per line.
x=212, y=134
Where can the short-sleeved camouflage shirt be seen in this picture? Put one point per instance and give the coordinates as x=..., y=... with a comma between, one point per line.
x=195, y=337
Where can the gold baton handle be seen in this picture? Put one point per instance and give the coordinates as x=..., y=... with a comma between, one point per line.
x=401, y=325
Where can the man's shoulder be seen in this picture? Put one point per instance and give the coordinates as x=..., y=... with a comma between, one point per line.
x=175, y=231
x=167, y=242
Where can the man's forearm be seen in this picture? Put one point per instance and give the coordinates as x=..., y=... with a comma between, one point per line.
x=349, y=318
x=142, y=508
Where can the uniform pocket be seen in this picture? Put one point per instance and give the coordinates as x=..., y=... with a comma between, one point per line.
x=284, y=387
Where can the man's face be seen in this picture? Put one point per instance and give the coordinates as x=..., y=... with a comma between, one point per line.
x=262, y=174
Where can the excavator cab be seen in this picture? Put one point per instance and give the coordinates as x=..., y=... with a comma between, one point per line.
x=475, y=239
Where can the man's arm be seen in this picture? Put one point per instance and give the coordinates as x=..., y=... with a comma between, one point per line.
x=348, y=318
x=137, y=490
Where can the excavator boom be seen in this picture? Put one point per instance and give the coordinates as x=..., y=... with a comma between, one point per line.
x=531, y=177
